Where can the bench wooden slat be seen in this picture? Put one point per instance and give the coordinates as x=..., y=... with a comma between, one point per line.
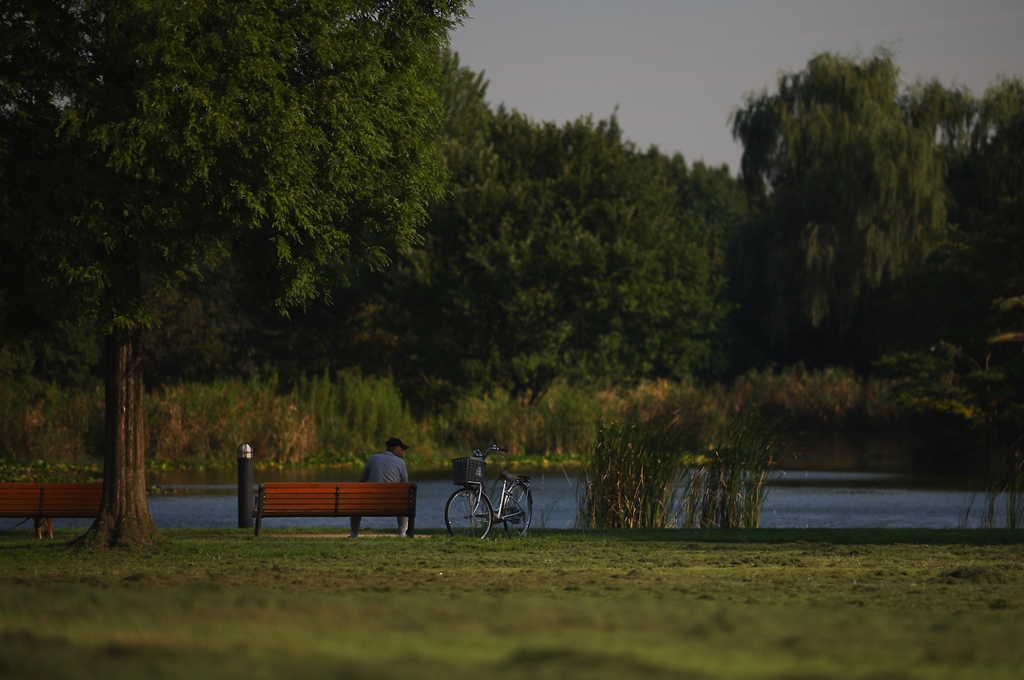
x=272, y=505
x=330, y=488
x=369, y=510
x=336, y=499
x=65, y=499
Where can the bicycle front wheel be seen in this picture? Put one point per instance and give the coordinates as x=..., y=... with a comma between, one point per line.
x=468, y=512
x=518, y=510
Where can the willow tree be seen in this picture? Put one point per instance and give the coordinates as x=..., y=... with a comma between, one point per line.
x=140, y=141
x=851, y=191
x=964, y=367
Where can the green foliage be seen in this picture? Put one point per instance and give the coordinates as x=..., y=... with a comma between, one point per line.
x=963, y=370
x=559, y=254
x=163, y=135
x=705, y=195
x=934, y=382
x=211, y=328
x=851, y=191
x=203, y=331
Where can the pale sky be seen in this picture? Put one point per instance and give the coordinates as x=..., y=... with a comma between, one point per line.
x=676, y=69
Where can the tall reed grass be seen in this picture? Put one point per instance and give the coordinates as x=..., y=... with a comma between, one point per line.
x=345, y=416
x=630, y=478
x=340, y=419
x=561, y=423
x=825, y=400
x=1002, y=480
x=39, y=421
x=209, y=421
x=728, y=488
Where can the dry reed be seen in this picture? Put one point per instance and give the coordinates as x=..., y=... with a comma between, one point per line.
x=630, y=477
x=728, y=489
x=344, y=416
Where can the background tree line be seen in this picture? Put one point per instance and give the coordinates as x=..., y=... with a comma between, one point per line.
x=885, y=234
x=873, y=225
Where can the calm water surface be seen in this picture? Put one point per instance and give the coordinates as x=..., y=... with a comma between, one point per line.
x=796, y=499
x=831, y=483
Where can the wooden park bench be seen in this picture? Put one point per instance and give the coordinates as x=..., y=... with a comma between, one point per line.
x=44, y=501
x=336, y=499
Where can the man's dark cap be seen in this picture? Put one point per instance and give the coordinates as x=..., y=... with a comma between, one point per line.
x=395, y=441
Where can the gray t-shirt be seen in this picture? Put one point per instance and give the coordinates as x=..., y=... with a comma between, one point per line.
x=384, y=467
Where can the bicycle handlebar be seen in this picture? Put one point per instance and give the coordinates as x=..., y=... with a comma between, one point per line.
x=493, y=448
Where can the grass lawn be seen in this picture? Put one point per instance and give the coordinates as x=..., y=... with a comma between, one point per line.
x=694, y=604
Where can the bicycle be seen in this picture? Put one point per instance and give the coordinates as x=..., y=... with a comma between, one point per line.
x=469, y=511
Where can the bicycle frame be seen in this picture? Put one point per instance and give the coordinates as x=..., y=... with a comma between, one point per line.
x=499, y=514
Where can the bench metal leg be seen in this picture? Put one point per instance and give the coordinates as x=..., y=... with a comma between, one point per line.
x=259, y=509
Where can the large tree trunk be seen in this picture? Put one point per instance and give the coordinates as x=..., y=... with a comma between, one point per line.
x=124, y=518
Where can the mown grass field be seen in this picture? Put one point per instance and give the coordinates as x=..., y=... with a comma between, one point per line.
x=694, y=604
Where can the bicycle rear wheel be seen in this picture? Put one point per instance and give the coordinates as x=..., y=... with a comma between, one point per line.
x=468, y=512
x=518, y=510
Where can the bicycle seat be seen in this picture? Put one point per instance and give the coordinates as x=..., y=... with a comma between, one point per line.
x=512, y=477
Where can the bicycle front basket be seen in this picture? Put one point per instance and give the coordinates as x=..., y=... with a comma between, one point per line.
x=466, y=470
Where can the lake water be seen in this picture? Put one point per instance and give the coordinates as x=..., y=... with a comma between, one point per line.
x=796, y=499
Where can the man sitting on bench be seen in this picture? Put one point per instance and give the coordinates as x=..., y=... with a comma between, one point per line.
x=386, y=466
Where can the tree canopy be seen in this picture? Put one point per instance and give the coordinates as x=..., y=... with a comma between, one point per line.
x=963, y=368
x=560, y=252
x=142, y=140
x=851, y=191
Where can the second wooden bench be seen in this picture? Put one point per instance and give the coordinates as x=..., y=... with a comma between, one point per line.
x=43, y=501
x=335, y=499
